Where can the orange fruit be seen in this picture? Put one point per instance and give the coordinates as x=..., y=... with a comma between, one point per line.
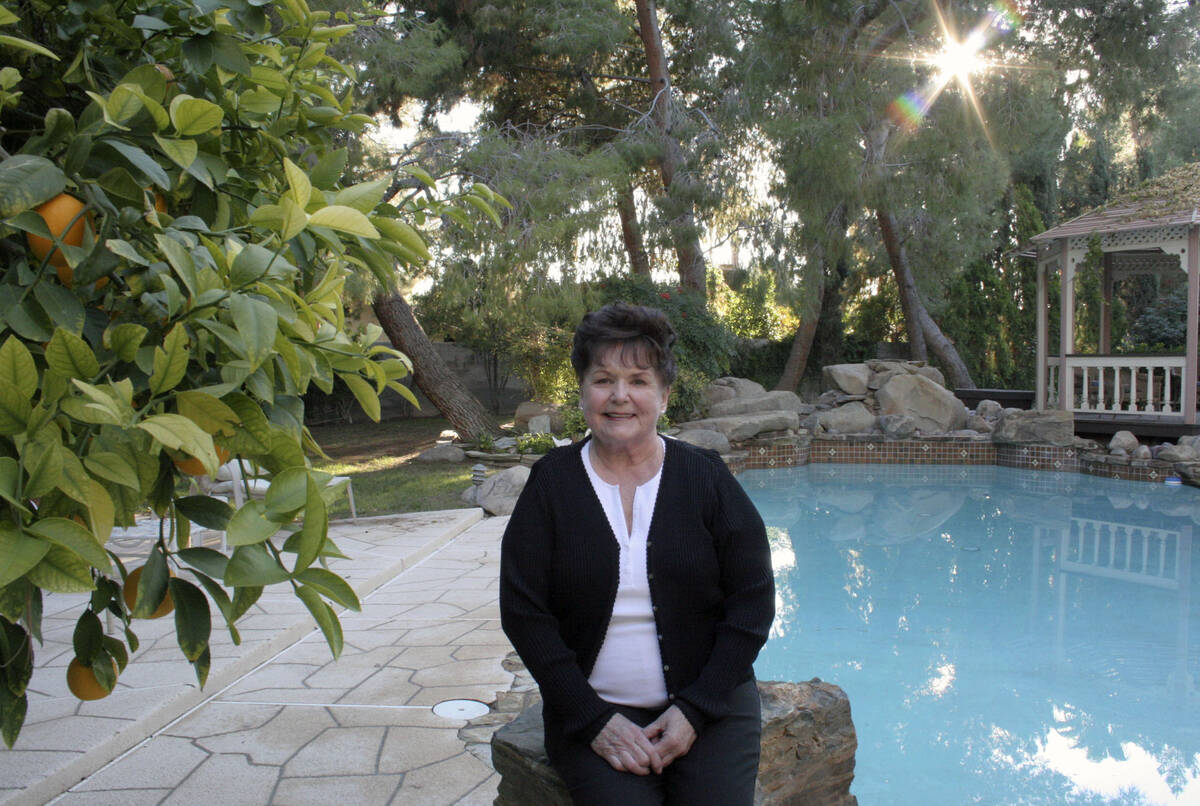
x=83, y=683
x=58, y=214
x=129, y=594
x=194, y=467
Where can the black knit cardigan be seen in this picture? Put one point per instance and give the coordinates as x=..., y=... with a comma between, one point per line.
x=709, y=569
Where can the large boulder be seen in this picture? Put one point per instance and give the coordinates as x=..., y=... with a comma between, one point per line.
x=499, y=492
x=935, y=408
x=767, y=401
x=897, y=426
x=852, y=418
x=849, y=378
x=1022, y=427
x=746, y=426
x=932, y=373
x=742, y=387
x=530, y=409
x=988, y=410
x=1177, y=453
x=442, y=452
x=1123, y=440
x=703, y=438
x=808, y=745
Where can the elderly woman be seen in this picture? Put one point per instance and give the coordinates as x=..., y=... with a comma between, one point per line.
x=636, y=585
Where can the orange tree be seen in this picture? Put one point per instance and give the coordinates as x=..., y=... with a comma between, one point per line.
x=185, y=319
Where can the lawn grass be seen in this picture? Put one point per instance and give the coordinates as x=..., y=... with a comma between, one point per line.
x=380, y=458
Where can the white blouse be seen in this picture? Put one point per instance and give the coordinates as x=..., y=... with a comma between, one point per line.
x=628, y=670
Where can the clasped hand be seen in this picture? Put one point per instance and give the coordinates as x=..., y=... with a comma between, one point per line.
x=641, y=751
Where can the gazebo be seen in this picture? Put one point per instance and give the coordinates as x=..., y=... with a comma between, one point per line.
x=1152, y=230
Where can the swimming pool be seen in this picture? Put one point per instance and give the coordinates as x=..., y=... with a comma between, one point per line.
x=1005, y=636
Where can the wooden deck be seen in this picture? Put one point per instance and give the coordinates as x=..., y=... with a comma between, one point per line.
x=1158, y=426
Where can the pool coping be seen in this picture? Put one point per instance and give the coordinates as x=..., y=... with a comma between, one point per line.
x=794, y=450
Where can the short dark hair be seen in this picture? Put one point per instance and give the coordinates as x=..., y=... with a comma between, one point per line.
x=644, y=335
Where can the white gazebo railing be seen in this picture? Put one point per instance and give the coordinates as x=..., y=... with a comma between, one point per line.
x=1117, y=384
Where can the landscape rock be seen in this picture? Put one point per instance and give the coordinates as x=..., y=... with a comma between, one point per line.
x=981, y=424
x=852, y=418
x=849, y=378
x=444, y=452
x=530, y=409
x=808, y=746
x=1022, y=427
x=1124, y=440
x=767, y=401
x=828, y=399
x=879, y=379
x=498, y=494
x=468, y=495
x=1142, y=452
x=897, y=426
x=703, y=438
x=934, y=407
x=716, y=393
x=746, y=426
x=932, y=373
x=540, y=424
x=742, y=387
x=988, y=410
x=1177, y=453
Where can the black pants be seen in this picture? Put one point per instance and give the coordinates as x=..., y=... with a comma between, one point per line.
x=719, y=770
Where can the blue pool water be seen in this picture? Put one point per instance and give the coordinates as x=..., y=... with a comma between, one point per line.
x=1004, y=636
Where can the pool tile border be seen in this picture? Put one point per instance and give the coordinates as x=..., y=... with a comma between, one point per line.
x=802, y=449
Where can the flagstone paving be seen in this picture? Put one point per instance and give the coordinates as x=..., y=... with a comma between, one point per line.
x=280, y=722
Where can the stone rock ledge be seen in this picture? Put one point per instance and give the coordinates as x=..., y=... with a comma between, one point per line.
x=808, y=746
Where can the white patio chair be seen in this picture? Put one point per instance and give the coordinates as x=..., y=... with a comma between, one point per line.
x=238, y=479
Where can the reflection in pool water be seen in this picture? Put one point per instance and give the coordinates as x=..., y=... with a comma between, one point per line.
x=1005, y=637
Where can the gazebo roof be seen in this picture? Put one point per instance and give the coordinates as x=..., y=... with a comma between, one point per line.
x=1169, y=200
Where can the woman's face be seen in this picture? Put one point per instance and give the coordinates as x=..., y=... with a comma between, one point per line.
x=621, y=401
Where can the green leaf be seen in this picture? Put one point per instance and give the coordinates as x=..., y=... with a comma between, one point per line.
x=151, y=586
x=170, y=361
x=202, y=665
x=331, y=586
x=180, y=152
x=323, y=614
x=12, y=715
x=420, y=173
x=209, y=561
x=180, y=433
x=244, y=598
x=287, y=495
x=343, y=219
x=364, y=393
x=125, y=339
x=10, y=472
x=254, y=423
x=64, y=308
x=70, y=535
x=404, y=234
x=228, y=54
x=251, y=263
x=301, y=187
x=293, y=219
x=70, y=356
x=482, y=206
x=21, y=553
x=26, y=181
x=364, y=196
x=14, y=411
x=180, y=259
x=256, y=322
x=44, y=464
x=141, y=161
x=193, y=116
x=206, y=411
x=253, y=566
x=329, y=169
x=193, y=619
x=249, y=526
x=209, y=512
x=25, y=44
x=315, y=529
x=112, y=467
x=87, y=639
x=62, y=571
x=224, y=604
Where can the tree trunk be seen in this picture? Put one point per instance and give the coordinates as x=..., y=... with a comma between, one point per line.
x=909, y=300
x=797, y=360
x=433, y=377
x=631, y=232
x=677, y=182
x=917, y=321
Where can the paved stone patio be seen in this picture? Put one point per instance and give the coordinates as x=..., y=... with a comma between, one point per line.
x=279, y=721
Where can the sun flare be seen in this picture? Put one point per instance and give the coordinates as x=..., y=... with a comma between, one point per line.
x=958, y=60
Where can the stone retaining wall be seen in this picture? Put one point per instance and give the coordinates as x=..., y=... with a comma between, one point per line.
x=808, y=746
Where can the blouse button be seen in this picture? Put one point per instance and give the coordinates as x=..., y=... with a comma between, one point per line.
x=649, y=576
x=670, y=696
x=666, y=667
x=660, y=636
